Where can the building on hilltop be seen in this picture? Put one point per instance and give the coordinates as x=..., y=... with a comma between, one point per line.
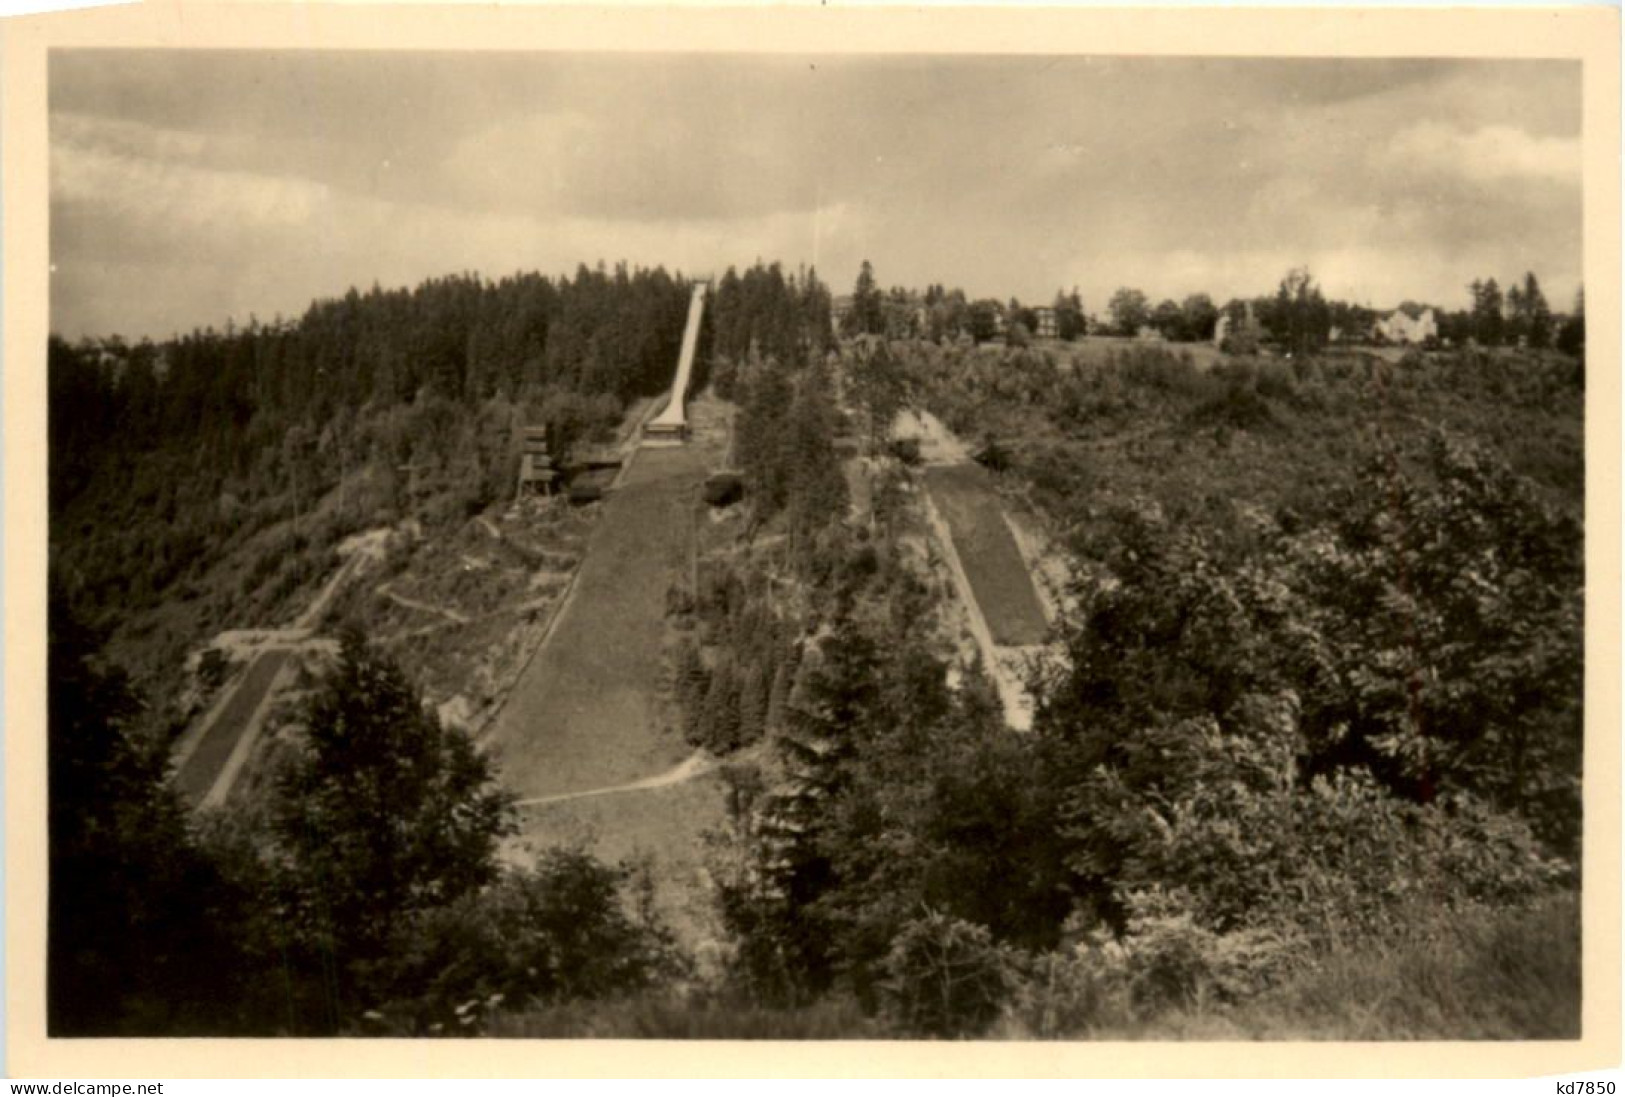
x=1408, y=325
x=1044, y=323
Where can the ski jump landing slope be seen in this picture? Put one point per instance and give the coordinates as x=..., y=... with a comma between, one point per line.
x=672, y=423
x=584, y=714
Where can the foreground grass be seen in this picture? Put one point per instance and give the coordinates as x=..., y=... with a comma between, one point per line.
x=1482, y=975
x=697, y=1017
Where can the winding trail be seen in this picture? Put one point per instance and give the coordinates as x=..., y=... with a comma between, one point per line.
x=454, y=616
x=695, y=765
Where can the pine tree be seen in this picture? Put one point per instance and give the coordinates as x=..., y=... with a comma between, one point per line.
x=753, y=690
x=689, y=685
x=1571, y=339
x=1488, y=322
x=719, y=731
x=384, y=814
x=1539, y=312
x=868, y=315
x=779, y=693
x=817, y=488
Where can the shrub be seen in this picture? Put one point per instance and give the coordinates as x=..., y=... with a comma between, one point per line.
x=558, y=932
x=1239, y=407
x=213, y=668
x=946, y=978
x=1062, y=994
x=906, y=450
x=1278, y=380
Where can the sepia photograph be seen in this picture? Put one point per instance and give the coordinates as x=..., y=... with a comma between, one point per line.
x=563, y=544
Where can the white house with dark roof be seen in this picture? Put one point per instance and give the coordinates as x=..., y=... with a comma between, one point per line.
x=1402, y=326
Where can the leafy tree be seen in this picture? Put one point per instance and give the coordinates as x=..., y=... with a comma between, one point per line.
x=947, y=977
x=984, y=319
x=1199, y=316
x=1354, y=323
x=1069, y=319
x=1169, y=319
x=559, y=931
x=1300, y=319
x=1130, y=311
x=1431, y=640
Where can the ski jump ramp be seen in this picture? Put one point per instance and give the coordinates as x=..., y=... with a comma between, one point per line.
x=670, y=427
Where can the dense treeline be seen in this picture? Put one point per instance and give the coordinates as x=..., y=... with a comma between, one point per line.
x=766, y=313
x=1300, y=319
x=222, y=395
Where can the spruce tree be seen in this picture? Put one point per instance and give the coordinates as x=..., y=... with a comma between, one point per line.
x=719, y=731
x=753, y=690
x=779, y=693
x=689, y=685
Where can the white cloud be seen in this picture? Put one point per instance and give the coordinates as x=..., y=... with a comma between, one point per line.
x=1488, y=153
x=147, y=177
x=150, y=239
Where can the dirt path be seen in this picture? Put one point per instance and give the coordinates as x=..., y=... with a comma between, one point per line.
x=357, y=550
x=454, y=616
x=695, y=765
x=318, y=606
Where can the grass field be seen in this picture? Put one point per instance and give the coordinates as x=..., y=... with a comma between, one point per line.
x=1093, y=349
x=987, y=549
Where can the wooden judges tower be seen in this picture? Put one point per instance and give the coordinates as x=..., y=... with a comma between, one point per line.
x=536, y=471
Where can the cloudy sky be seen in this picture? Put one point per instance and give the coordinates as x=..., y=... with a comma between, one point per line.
x=190, y=187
